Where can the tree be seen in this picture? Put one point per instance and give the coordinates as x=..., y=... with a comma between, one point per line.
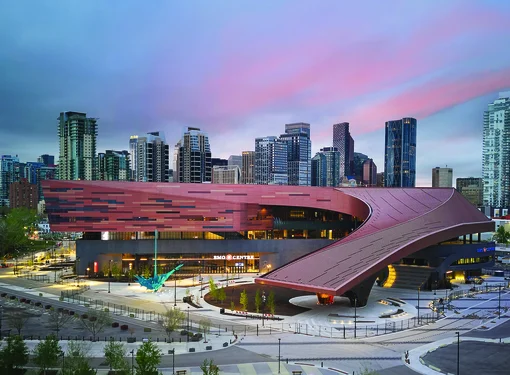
x=58, y=320
x=15, y=229
x=114, y=353
x=221, y=294
x=213, y=289
x=96, y=321
x=46, y=353
x=258, y=301
x=243, y=300
x=116, y=271
x=17, y=320
x=146, y=271
x=148, y=358
x=209, y=368
x=271, y=303
x=501, y=236
x=77, y=360
x=205, y=327
x=13, y=355
x=232, y=306
x=172, y=319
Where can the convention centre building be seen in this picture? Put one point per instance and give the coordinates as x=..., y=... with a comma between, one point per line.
x=329, y=241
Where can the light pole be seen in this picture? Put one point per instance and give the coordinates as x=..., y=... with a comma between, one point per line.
x=132, y=361
x=77, y=272
x=173, y=361
x=187, y=328
x=355, y=315
x=109, y=274
x=175, y=289
x=418, y=307
x=63, y=360
x=499, y=301
x=279, y=356
x=458, y=352
x=1, y=313
x=263, y=306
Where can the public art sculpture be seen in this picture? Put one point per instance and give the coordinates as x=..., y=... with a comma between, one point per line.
x=156, y=282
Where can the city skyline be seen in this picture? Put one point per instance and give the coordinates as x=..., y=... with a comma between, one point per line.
x=238, y=78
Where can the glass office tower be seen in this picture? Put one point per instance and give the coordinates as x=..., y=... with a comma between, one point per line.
x=400, y=153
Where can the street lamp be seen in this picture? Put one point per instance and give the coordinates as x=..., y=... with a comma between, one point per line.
x=458, y=352
x=263, y=306
x=418, y=307
x=499, y=301
x=187, y=328
x=109, y=274
x=173, y=360
x=175, y=289
x=77, y=272
x=355, y=315
x=62, y=354
x=132, y=361
x=279, y=356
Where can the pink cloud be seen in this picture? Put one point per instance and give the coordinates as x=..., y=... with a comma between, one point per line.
x=326, y=71
x=429, y=98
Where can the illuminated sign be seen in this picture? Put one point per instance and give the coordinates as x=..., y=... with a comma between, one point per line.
x=486, y=249
x=233, y=257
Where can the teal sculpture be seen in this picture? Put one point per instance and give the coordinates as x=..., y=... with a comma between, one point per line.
x=156, y=282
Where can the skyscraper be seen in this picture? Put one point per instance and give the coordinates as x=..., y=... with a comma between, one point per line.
x=9, y=172
x=226, y=174
x=46, y=159
x=472, y=189
x=236, y=160
x=248, y=171
x=325, y=167
x=299, y=150
x=369, y=173
x=271, y=161
x=359, y=159
x=193, y=162
x=400, y=153
x=77, y=148
x=442, y=177
x=343, y=141
x=496, y=154
x=149, y=157
x=114, y=166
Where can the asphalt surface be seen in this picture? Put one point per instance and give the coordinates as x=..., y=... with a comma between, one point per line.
x=229, y=356
x=500, y=331
x=397, y=370
x=475, y=358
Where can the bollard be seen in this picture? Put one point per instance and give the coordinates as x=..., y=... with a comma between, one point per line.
x=257, y=329
x=287, y=360
x=322, y=364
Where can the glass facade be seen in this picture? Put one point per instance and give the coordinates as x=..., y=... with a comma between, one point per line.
x=299, y=149
x=271, y=166
x=400, y=153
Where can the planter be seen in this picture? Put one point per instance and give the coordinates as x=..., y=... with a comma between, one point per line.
x=71, y=312
x=3, y=295
x=115, y=325
x=208, y=347
x=12, y=297
x=191, y=350
x=47, y=307
x=131, y=315
x=147, y=329
x=84, y=316
x=131, y=340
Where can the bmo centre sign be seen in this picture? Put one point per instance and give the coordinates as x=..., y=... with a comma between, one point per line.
x=233, y=257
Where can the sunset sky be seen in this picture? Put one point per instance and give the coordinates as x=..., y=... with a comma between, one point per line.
x=242, y=69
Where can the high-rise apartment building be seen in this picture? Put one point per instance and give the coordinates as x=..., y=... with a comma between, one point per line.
x=149, y=160
x=236, y=160
x=193, y=162
x=114, y=166
x=23, y=194
x=343, y=141
x=472, y=189
x=442, y=177
x=369, y=173
x=46, y=159
x=299, y=150
x=77, y=148
x=218, y=162
x=496, y=154
x=226, y=174
x=9, y=172
x=400, y=153
x=271, y=166
x=325, y=167
x=359, y=159
x=248, y=170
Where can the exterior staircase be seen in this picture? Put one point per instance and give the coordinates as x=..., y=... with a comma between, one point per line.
x=406, y=276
